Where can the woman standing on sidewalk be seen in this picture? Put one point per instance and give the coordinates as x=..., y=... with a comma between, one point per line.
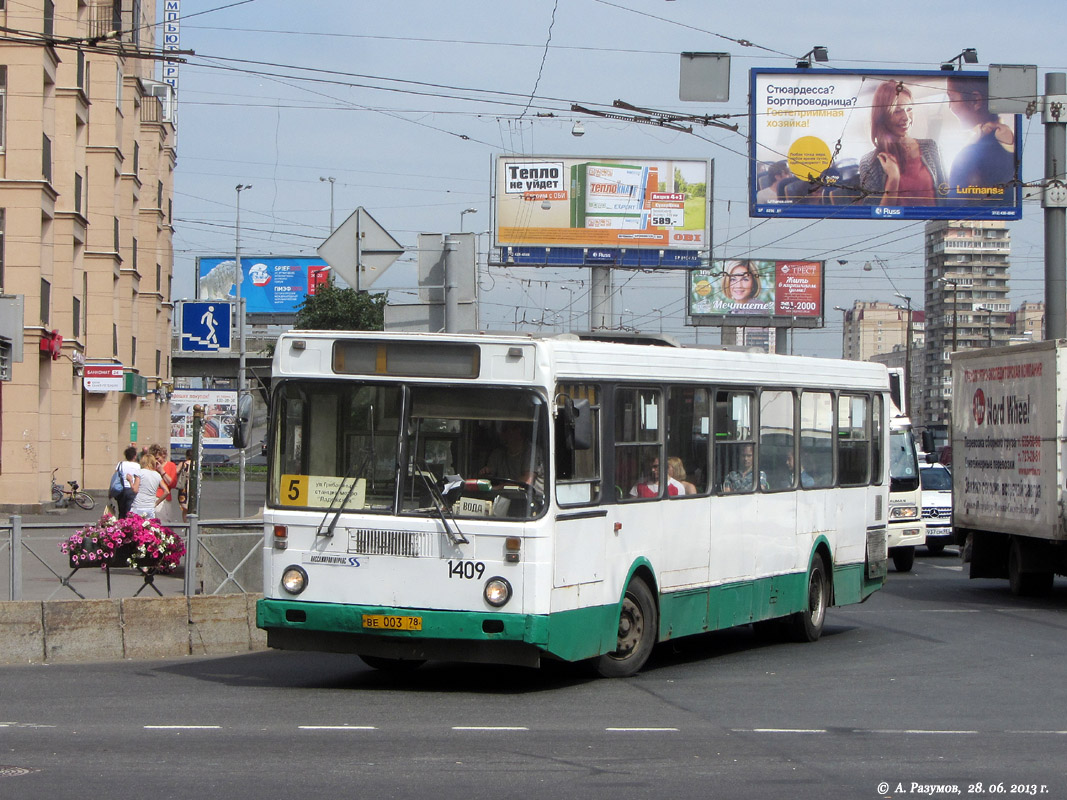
x=145, y=484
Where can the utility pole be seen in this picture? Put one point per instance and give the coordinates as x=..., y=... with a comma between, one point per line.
x=241, y=348
x=907, y=353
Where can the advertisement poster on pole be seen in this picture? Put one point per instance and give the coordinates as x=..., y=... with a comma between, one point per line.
x=881, y=145
x=220, y=417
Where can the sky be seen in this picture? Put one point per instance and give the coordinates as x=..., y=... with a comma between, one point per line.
x=406, y=104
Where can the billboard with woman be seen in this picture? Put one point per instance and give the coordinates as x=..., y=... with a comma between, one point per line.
x=876, y=145
x=757, y=292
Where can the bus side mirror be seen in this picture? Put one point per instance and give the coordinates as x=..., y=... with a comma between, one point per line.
x=242, y=429
x=577, y=424
x=928, y=441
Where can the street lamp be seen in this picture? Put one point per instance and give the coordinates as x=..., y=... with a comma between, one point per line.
x=988, y=323
x=907, y=352
x=331, y=180
x=240, y=344
x=464, y=212
x=955, y=307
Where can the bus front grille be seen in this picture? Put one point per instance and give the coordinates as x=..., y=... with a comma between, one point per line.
x=371, y=542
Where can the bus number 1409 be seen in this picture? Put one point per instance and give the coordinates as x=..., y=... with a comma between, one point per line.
x=466, y=569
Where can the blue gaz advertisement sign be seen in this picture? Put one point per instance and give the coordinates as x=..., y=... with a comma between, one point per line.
x=206, y=326
x=867, y=144
x=269, y=285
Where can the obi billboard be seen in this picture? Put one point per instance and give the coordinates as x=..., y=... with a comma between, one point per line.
x=556, y=201
x=878, y=145
x=762, y=293
x=270, y=285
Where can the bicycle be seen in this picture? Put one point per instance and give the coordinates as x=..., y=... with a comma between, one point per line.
x=62, y=497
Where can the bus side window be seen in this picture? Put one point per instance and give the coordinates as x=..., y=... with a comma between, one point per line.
x=688, y=435
x=853, y=440
x=816, y=438
x=733, y=438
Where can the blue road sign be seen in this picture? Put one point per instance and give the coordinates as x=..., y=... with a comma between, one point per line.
x=206, y=326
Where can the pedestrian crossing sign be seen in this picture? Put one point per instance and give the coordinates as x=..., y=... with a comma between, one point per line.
x=206, y=326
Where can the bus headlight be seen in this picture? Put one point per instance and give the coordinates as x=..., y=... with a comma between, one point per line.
x=904, y=512
x=294, y=579
x=497, y=592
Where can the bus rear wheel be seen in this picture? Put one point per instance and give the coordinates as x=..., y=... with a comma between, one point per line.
x=807, y=624
x=638, y=624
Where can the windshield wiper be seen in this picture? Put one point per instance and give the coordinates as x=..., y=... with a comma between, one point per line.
x=353, y=473
x=456, y=537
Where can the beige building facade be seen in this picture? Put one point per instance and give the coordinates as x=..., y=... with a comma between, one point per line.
x=86, y=187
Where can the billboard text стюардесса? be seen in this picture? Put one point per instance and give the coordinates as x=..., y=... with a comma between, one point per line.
x=877, y=145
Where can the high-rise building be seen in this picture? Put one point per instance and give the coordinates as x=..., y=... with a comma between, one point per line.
x=87, y=157
x=967, y=271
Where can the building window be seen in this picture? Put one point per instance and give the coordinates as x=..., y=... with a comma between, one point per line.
x=1, y=249
x=133, y=351
x=77, y=193
x=115, y=339
x=49, y=17
x=76, y=317
x=46, y=157
x=3, y=107
x=116, y=242
x=134, y=255
x=46, y=300
x=159, y=361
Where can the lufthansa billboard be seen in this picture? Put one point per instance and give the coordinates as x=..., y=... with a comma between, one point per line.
x=880, y=145
x=755, y=292
x=556, y=201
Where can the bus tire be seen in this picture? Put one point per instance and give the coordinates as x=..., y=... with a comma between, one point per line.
x=638, y=624
x=1026, y=584
x=392, y=664
x=903, y=558
x=807, y=624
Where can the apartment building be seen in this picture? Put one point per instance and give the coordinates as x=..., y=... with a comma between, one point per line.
x=87, y=157
x=966, y=286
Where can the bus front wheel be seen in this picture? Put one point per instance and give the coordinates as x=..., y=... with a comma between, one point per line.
x=807, y=624
x=638, y=624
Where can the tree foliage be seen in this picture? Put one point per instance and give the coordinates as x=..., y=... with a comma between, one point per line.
x=334, y=309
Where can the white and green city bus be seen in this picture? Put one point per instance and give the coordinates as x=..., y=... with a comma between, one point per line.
x=498, y=498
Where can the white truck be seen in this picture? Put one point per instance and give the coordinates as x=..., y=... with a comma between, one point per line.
x=906, y=528
x=1009, y=425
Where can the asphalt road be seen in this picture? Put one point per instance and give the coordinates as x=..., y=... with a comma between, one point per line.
x=936, y=682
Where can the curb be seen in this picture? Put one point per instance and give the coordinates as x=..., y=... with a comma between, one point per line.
x=143, y=628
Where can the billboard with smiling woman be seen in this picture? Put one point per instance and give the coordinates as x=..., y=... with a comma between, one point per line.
x=881, y=145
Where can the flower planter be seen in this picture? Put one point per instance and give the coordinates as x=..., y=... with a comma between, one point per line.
x=118, y=559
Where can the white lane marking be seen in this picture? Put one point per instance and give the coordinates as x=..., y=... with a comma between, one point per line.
x=336, y=727
x=641, y=730
x=490, y=728
x=182, y=727
x=925, y=732
x=784, y=730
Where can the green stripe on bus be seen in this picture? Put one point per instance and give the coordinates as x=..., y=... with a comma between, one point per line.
x=587, y=632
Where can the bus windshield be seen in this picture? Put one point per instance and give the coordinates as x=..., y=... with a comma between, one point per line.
x=414, y=449
x=903, y=462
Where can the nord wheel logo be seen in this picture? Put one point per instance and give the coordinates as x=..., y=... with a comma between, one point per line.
x=978, y=406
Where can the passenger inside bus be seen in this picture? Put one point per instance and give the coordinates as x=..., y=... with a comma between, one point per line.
x=676, y=472
x=649, y=487
x=741, y=479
